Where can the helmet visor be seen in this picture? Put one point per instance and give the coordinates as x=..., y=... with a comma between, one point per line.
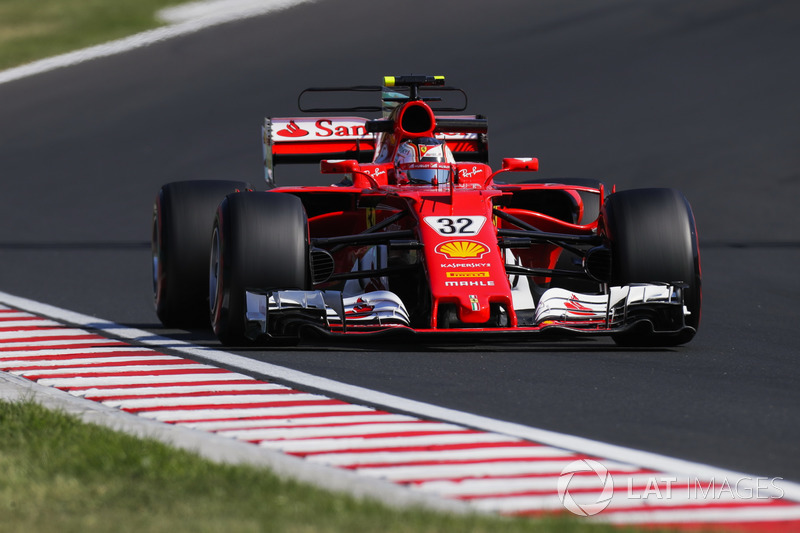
x=425, y=173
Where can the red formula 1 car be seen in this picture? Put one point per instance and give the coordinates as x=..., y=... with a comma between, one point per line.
x=420, y=236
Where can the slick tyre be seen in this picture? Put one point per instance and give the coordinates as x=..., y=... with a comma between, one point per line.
x=653, y=238
x=182, y=219
x=259, y=241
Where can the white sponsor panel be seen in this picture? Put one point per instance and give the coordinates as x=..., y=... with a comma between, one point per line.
x=310, y=129
x=304, y=129
x=457, y=225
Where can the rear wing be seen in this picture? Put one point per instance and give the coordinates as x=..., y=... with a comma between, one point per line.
x=312, y=139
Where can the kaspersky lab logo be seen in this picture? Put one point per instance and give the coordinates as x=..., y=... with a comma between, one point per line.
x=587, y=470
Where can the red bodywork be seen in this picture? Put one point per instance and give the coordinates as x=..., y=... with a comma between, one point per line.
x=453, y=227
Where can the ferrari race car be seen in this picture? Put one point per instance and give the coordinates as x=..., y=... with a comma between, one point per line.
x=418, y=235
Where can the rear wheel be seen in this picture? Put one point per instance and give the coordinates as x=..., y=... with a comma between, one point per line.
x=653, y=238
x=259, y=241
x=182, y=219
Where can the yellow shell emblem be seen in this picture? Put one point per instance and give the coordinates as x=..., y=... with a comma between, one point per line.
x=462, y=249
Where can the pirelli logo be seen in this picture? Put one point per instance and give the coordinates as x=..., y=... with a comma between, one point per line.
x=467, y=274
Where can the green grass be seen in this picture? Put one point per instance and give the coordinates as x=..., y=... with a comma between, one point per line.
x=35, y=29
x=59, y=474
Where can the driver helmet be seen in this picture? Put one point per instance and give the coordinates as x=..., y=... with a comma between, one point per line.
x=423, y=161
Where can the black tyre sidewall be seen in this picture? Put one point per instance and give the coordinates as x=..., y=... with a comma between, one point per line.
x=263, y=245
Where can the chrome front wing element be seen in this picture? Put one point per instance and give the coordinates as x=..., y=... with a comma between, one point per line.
x=659, y=303
x=281, y=313
x=276, y=313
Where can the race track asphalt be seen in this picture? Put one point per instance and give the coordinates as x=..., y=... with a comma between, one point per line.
x=701, y=96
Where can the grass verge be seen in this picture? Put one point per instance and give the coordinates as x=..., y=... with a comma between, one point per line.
x=60, y=474
x=35, y=29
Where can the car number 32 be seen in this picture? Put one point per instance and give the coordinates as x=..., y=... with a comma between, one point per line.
x=449, y=226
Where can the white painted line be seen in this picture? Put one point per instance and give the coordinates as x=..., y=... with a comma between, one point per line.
x=192, y=24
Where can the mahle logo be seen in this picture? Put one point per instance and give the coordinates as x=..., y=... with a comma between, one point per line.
x=596, y=503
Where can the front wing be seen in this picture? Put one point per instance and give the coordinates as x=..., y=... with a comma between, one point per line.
x=289, y=314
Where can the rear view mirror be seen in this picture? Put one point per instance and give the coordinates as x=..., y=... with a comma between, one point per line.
x=512, y=164
x=339, y=166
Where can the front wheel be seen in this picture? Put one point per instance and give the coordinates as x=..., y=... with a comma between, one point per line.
x=653, y=238
x=259, y=242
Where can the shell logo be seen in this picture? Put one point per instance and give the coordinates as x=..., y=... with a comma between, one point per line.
x=462, y=249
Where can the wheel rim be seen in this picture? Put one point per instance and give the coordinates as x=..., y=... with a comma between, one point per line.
x=213, y=274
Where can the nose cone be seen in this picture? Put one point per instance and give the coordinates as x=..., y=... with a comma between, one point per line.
x=474, y=309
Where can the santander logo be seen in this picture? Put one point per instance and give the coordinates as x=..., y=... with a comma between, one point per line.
x=338, y=128
x=292, y=130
